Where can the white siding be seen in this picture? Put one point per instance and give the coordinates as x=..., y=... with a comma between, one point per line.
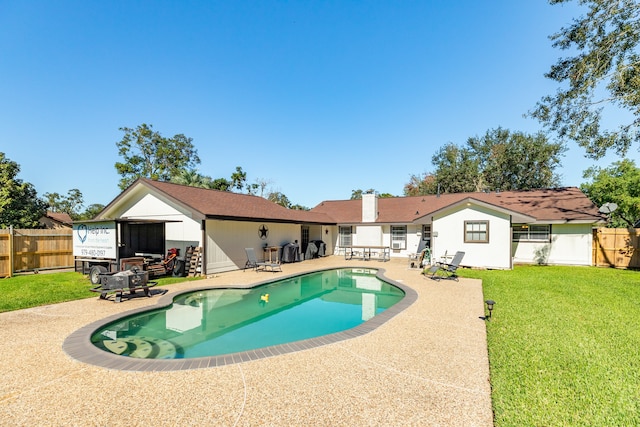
x=226, y=241
x=368, y=235
x=571, y=244
x=181, y=228
x=450, y=237
x=414, y=239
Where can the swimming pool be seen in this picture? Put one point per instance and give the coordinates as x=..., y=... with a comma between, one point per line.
x=219, y=322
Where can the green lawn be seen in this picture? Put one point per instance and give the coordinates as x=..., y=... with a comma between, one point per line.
x=564, y=345
x=32, y=290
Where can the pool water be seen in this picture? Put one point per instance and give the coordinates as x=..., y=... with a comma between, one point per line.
x=223, y=321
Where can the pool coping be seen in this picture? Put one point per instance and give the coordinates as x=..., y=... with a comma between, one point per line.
x=79, y=347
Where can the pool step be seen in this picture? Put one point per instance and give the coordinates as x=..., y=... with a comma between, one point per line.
x=142, y=347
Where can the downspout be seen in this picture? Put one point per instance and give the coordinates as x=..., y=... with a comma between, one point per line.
x=203, y=228
x=511, y=242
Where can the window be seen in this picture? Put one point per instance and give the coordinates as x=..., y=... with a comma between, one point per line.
x=345, y=236
x=304, y=231
x=476, y=231
x=531, y=232
x=398, y=237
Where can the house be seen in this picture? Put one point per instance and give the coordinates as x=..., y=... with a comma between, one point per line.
x=160, y=215
x=495, y=230
x=55, y=220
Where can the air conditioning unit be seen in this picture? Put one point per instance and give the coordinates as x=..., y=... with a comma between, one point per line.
x=397, y=245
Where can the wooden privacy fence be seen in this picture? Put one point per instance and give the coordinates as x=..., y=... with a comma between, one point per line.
x=26, y=250
x=616, y=247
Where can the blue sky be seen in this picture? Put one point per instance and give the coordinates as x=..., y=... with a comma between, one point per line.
x=317, y=97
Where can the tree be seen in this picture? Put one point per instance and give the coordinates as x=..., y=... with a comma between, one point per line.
x=260, y=184
x=71, y=203
x=191, y=178
x=600, y=80
x=298, y=207
x=357, y=194
x=20, y=206
x=457, y=170
x=516, y=161
x=92, y=211
x=194, y=179
x=419, y=185
x=499, y=160
x=148, y=154
x=221, y=184
x=620, y=184
x=279, y=198
x=238, y=179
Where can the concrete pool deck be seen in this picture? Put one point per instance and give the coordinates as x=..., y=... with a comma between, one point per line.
x=427, y=365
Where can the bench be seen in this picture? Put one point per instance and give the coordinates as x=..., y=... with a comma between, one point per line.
x=122, y=282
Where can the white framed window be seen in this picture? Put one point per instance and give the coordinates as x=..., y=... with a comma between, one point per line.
x=398, y=237
x=476, y=231
x=345, y=236
x=531, y=232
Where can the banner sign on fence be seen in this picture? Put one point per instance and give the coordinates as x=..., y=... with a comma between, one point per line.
x=94, y=239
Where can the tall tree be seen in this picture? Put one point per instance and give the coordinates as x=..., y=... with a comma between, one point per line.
x=620, y=184
x=146, y=153
x=516, y=161
x=457, y=170
x=601, y=79
x=71, y=203
x=499, y=160
x=238, y=179
x=20, y=206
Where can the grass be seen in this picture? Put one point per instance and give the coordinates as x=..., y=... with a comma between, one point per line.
x=564, y=345
x=33, y=290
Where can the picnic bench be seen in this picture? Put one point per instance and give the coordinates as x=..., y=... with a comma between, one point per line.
x=124, y=283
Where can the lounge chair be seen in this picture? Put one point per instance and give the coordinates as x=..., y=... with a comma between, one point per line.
x=252, y=262
x=443, y=270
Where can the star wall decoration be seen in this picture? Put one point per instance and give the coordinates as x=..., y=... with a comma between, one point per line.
x=263, y=231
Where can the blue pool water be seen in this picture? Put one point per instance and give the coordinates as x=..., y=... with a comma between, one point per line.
x=222, y=321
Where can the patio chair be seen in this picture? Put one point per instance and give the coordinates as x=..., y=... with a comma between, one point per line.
x=252, y=262
x=443, y=270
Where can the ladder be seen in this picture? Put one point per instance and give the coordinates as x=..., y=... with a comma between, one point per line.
x=193, y=261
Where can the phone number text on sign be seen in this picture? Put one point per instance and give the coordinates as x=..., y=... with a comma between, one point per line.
x=93, y=252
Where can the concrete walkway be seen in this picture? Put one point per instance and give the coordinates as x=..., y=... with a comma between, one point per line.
x=427, y=366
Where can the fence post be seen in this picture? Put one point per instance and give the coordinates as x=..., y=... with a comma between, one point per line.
x=11, y=251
